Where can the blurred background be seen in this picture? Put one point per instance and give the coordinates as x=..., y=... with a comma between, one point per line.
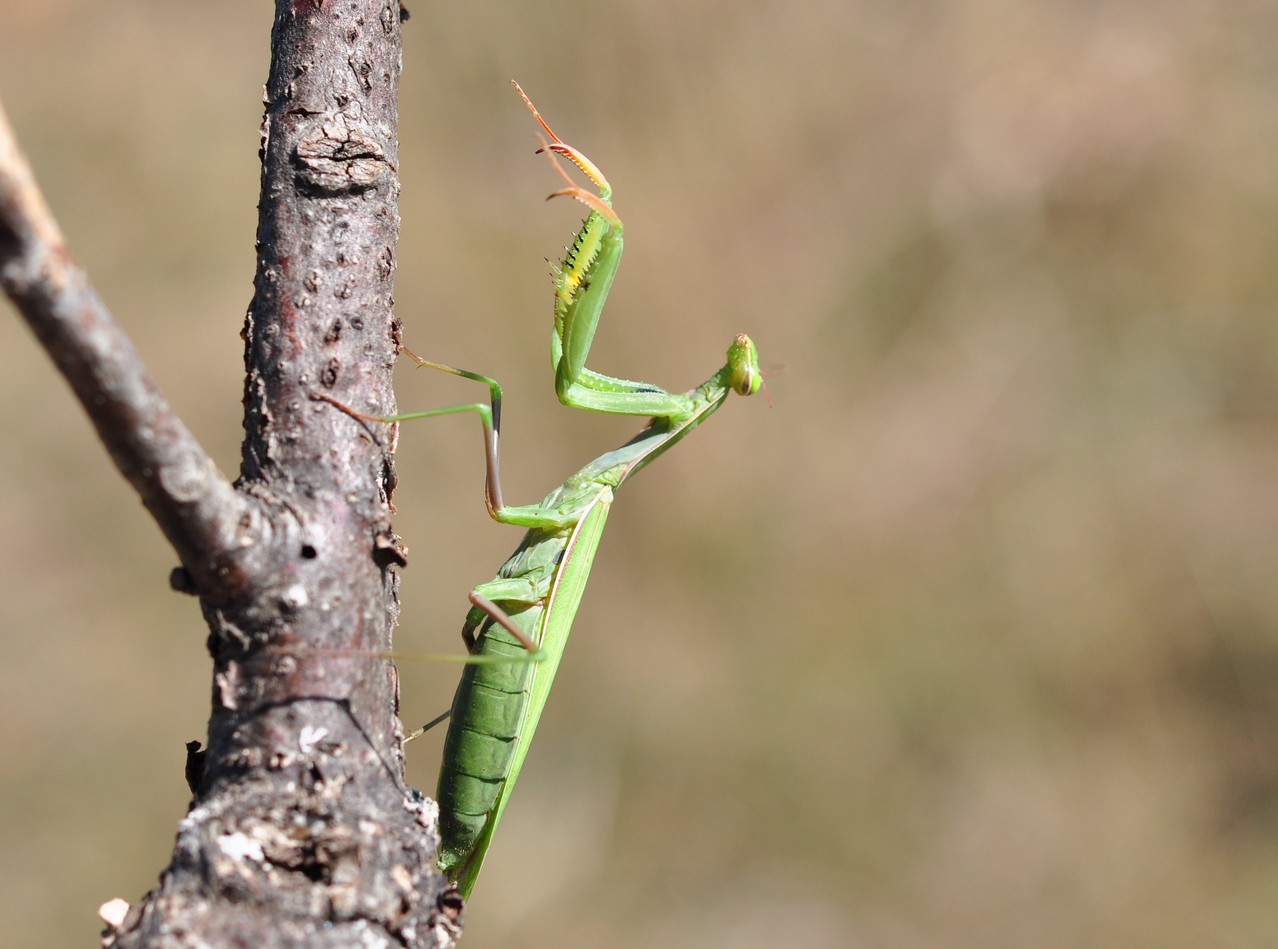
x=971, y=639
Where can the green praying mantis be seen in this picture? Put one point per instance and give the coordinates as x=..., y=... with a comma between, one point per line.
x=519, y=622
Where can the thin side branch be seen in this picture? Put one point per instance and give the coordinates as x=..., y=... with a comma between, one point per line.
x=195, y=506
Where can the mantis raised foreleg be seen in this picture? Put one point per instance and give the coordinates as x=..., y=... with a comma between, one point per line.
x=582, y=282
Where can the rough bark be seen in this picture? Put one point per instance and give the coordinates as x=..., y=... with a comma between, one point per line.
x=301, y=831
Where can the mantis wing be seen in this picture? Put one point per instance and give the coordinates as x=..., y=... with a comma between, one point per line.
x=561, y=608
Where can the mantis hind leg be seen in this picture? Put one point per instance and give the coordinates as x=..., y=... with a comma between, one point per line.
x=418, y=732
x=482, y=609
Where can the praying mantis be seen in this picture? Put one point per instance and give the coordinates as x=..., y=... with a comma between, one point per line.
x=519, y=622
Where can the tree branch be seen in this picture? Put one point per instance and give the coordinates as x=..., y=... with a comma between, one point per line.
x=179, y=484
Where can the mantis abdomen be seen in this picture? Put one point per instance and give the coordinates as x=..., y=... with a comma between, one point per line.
x=488, y=715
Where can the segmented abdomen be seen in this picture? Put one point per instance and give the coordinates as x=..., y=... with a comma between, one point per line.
x=487, y=717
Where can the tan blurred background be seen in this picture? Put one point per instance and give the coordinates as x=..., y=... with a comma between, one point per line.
x=970, y=640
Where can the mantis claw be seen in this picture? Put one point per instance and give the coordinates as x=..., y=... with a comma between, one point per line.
x=558, y=145
x=589, y=200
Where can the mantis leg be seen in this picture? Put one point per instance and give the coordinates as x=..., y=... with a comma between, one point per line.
x=528, y=516
x=418, y=732
x=485, y=609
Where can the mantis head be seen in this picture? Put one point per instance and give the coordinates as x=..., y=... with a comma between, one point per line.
x=744, y=374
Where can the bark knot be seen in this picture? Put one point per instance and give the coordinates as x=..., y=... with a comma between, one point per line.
x=337, y=159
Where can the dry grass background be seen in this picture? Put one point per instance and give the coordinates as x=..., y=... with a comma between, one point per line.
x=970, y=640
